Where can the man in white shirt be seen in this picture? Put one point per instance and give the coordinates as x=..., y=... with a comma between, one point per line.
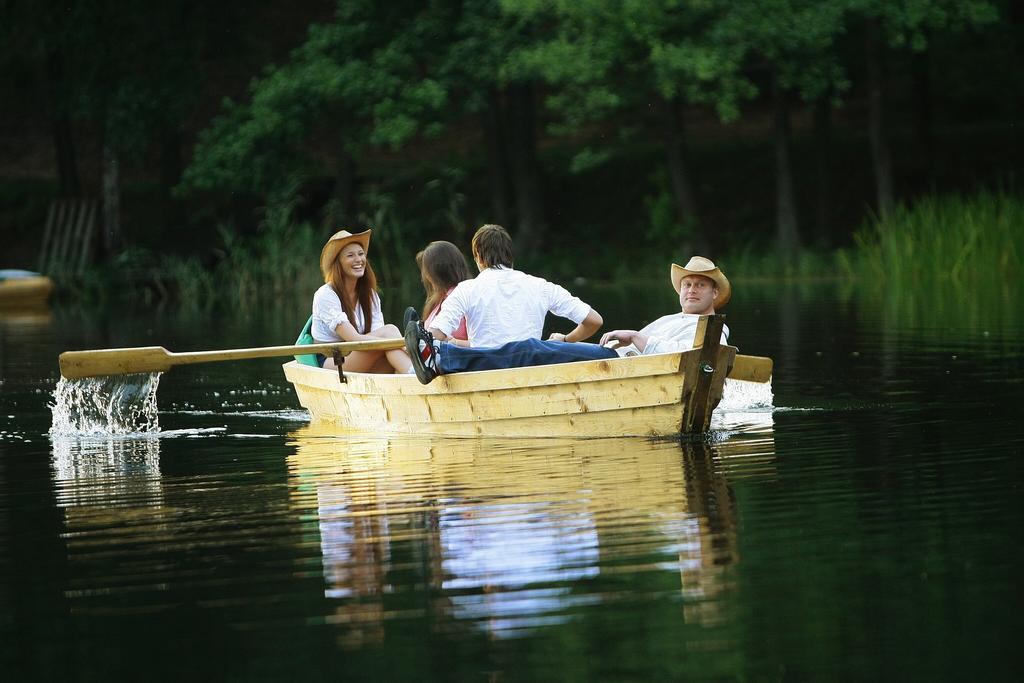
x=502, y=304
x=702, y=288
x=504, y=310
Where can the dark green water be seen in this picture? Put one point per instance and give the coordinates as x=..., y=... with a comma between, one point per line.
x=867, y=528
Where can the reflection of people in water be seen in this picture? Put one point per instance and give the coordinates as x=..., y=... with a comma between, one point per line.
x=510, y=540
x=356, y=555
x=468, y=558
x=494, y=552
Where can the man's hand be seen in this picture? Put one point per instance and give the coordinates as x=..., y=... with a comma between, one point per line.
x=624, y=338
x=557, y=336
x=620, y=337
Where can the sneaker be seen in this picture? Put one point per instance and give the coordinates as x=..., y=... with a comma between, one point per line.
x=410, y=314
x=420, y=345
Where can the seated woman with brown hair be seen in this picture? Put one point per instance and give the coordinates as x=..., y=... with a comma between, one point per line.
x=347, y=307
x=442, y=266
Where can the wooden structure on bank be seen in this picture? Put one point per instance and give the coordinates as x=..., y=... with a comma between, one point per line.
x=68, y=236
x=658, y=395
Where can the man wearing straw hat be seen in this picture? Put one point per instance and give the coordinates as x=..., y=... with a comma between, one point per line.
x=701, y=287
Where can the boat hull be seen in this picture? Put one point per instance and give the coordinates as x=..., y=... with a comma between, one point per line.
x=25, y=292
x=657, y=395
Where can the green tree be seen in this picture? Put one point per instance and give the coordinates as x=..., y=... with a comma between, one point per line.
x=607, y=61
x=128, y=72
x=904, y=26
x=478, y=70
x=360, y=82
x=791, y=43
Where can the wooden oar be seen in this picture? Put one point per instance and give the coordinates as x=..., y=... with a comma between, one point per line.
x=100, y=362
x=751, y=368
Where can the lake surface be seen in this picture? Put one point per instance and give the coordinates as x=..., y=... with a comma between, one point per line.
x=868, y=527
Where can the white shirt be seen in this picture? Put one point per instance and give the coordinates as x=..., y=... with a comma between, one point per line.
x=669, y=334
x=502, y=305
x=328, y=314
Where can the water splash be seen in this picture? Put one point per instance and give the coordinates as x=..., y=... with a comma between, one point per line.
x=741, y=395
x=746, y=407
x=103, y=406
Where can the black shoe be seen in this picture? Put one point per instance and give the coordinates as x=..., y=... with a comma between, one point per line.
x=415, y=335
x=410, y=314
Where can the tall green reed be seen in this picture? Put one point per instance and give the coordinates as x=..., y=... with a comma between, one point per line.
x=949, y=263
x=949, y=238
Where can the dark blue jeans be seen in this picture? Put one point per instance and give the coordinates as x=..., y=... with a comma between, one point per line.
x=517, y=354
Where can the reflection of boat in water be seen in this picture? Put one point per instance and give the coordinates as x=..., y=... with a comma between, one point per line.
x=23, y=289
x=25, y=319
x=511, y=535
x=657, y=395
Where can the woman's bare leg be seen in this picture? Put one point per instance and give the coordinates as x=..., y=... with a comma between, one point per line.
x=395, y=360
x=382, y=366
x=398, y=358
x=359, y=361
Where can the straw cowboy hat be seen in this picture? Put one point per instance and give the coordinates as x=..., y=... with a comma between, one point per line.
x=698, y=265
x=338, y=242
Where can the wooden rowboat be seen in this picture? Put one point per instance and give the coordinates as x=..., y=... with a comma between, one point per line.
x=658, y=395
x=22, y=289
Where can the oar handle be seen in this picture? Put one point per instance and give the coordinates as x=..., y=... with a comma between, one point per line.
x=102, y=362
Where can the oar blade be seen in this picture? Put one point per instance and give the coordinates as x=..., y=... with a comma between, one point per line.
x=751, y=368
x=102, y=362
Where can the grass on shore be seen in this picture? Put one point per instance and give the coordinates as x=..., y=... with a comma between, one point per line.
x=936, y=240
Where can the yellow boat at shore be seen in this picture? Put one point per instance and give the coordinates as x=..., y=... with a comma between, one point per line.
x=24, y=289
x=659, y=395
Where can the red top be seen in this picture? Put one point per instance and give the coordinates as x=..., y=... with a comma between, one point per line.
x=460, y=332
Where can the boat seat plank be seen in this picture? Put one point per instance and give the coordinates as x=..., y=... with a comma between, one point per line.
x=489, y=380
x=587, y=397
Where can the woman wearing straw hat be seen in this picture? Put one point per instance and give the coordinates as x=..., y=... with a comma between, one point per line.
x=347, y=307
x=702, y=288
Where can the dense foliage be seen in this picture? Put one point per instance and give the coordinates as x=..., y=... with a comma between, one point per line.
x=713, y=125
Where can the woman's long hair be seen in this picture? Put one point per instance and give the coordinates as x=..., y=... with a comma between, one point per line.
x=442, y=266
x=365, y=287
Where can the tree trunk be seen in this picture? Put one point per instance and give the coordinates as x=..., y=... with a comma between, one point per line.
x=170, y=174
x=344, y=210
x=921, y=69
x=823, y=170
x=111, y=200
x=876, y=123
x=526, y=176
x=63, y=133
x=787, y=235
x=679, y=179
x=1016, y=17
x=497, y=161
x=67, y=158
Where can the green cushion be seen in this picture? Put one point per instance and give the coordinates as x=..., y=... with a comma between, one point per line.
x=306, y=337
